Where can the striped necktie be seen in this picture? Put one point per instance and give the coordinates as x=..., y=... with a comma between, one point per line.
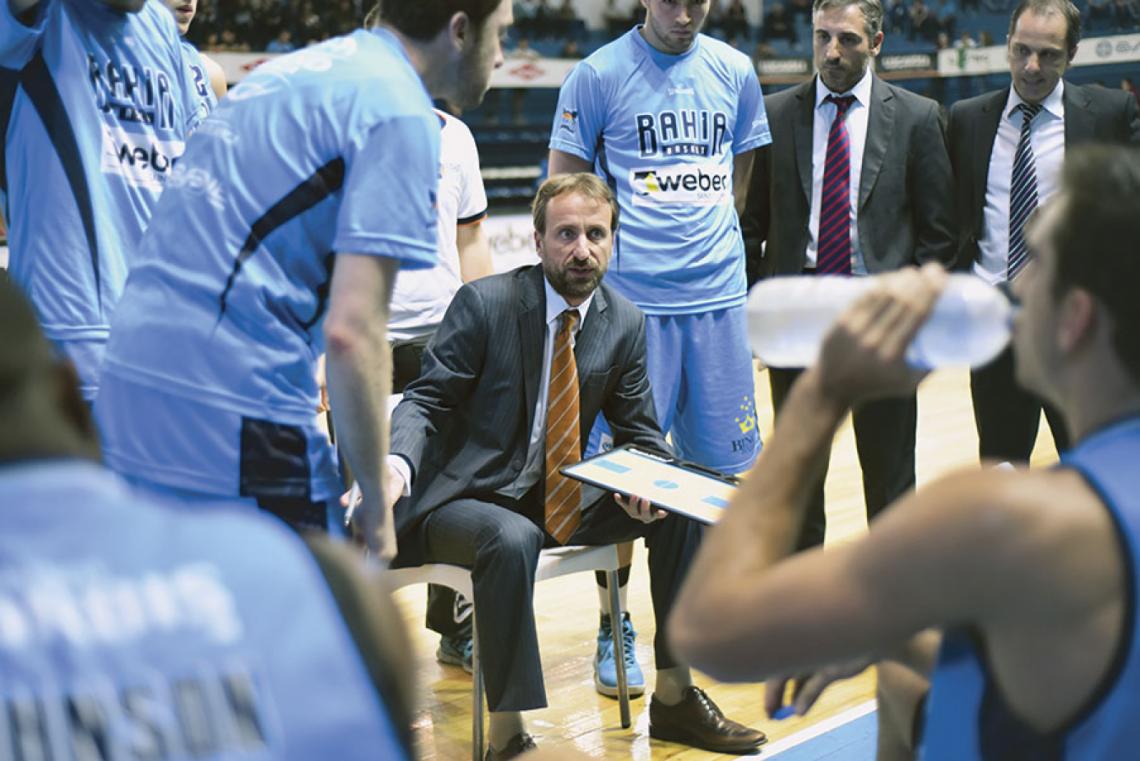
x=1022, y=192
x=563, y=437
x=833, y=252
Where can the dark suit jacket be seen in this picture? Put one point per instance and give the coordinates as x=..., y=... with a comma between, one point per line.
x=1092, y=114
x=465, y=423
x=905, y=204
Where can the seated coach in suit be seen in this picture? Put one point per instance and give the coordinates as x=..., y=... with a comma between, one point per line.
x=521, y=365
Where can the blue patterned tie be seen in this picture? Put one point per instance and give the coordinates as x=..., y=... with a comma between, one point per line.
x=1022, y=192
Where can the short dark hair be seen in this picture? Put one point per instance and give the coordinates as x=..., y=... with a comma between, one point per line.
x=872, y=12
x=1065, y=8
x=424, y=19
x=1095, y=238
x=583, y=183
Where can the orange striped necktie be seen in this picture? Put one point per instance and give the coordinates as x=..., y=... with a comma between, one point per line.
x=563, y=438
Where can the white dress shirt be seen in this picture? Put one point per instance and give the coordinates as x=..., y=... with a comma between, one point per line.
x=1047, y=138
x=535, y=466
x=857, y=118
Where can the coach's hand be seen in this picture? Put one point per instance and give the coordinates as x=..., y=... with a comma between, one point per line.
x=639, y=508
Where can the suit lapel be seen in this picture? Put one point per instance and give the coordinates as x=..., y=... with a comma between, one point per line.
x=532, y=324
x=986, y=128
x=593, y=333
x=1078, y=116
x=880, y=121
x=803, y=121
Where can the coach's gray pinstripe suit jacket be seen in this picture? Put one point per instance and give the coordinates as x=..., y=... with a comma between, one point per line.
x=465, y=422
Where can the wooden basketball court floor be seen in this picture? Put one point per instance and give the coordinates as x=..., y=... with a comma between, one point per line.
x=567, y=612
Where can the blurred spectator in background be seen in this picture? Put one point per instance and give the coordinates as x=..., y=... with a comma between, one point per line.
x=778, y=25
x=965, y=42
x=948, y=18
x=620, y=15
x=798, y=7
x=1098, y=15
x=282, y=43
x=570, y=50
x=1127, y=85
x=736, y=19
x=762, y=52
x=898, y=17
x=922, y=24
x=1126, y=14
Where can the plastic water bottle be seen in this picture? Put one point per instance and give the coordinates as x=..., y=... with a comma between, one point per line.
x=788, y=318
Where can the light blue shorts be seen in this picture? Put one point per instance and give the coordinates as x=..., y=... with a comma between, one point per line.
x=700, y=369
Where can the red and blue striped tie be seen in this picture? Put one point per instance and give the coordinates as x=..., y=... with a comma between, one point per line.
x=833, y=253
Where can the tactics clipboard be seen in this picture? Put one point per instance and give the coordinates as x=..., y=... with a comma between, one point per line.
x=669, y=483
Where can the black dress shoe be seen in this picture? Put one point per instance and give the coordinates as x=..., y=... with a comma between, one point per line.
x=518, y=745
x=697, y=721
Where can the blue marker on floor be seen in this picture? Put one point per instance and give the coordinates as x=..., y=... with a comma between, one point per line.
x=783, y=712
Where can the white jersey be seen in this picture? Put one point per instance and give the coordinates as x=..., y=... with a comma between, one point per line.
x=420, y=297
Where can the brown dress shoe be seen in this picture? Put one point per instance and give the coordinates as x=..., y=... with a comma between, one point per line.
x=518, y=745
x=697, y=721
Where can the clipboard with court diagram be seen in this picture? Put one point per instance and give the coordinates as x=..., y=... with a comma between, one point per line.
x=674, y=485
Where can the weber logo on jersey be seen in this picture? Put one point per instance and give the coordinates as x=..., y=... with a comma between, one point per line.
x=684, y=132
x=139, y=159
x=688, y=184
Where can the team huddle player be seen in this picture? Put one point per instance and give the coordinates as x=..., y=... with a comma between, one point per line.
x=115, y=643
x=519, y=368
x=206, y=76
x=671, y=119
x=419, y=301
x=97, y=105
x=312, y=183
x=1029, y=579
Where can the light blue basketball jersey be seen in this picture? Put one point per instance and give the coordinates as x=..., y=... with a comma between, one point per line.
x=209, y=378
x=96, y=105
x=132, y=630
x=199, y=80
x=967, y=718
x=663, y=131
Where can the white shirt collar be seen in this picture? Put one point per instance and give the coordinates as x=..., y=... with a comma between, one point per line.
x=556, y=305
x=1054, y=102
x=861, y=90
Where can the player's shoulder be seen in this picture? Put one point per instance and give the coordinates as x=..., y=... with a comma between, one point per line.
x=1001, y=502
x=613, y=59
x=155, y=16
x=454, y=129
x=723, y=54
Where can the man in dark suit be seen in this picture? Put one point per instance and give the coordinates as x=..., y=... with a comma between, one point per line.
x=518, y=370
x=857, y=182
x=1000, y=177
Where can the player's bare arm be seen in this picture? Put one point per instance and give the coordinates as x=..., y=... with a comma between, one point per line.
x=741, y=178
x=216, y=75
x=359, y=380
x=561, y=162
x=474, y=251
x=956, y=553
